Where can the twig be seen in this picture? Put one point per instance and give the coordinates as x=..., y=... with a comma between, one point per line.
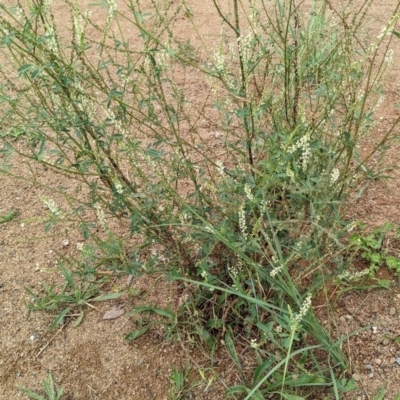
x=151, y=395
x=43, y=348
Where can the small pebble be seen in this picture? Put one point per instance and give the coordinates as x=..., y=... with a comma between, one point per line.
x=65, y=243
x=369, y=368
x=386, y=342
x=378, y=361
x=374, y=329
x=356, y=377
x=392, y=311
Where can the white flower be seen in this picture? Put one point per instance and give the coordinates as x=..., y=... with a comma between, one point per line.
x=350, y=227
x=304, y=144
x=78, y=26
x=290, y=173
x=275, y=271
x=112, y=6
x=18, y=13
x=100, y=216
x=335, y=175
x=247, y=190
x=118, y=188
x=52, y=206
x=209, y=228
x=79, y=246
x=353, y=276
x=242, y=221
x=254, y=344
x=233, y=271
x=219, y=61
x=220, y=167
x=46, y=5
x=51, y=40
x=297, y=318
x=389, y=56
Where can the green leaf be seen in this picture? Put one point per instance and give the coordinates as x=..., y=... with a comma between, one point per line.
x=161, y=311
x=59, y=319
x=36, y=73
x=237, y=390
x=67, y=276
x=345, y=385
x=393, y=262
x=231, y=348
x=395, y=33
x=136, y=334
x=203, y=333
x=260, y=369
x=288, y=396
x=108, y=296
x=22, y=71
x=79, y=320
x=31, y=394
x=380, y=394
x=8, y=217
x=49, y=387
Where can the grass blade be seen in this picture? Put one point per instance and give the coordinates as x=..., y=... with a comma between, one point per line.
x=59, y=319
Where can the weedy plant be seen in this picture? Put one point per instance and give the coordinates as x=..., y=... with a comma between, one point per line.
x=375, y=248
x=10, y=216
x=49, y=388
x=244, y=216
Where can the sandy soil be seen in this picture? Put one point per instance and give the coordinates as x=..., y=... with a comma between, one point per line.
x=93, y=361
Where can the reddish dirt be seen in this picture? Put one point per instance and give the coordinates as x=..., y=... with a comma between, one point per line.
x=93, y=361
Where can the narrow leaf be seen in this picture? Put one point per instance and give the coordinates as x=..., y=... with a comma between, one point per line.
x=136, y=334
x=59, y=319
x=161, y=311
x=231, y=348
x=288, y=396
x=205, y=336
x=67, y=276
x=380, y=394
x=108, y=296
x=78, y=320
x=31, y=394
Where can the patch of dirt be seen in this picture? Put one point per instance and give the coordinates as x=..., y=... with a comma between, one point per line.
x=94, y=361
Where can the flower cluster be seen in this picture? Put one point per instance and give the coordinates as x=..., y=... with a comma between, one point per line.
x=304, y=144
x=355, y=276
x=51, y=42
x=297, y=318
x=242, y=221
x=100, y=216
x=52, y=206
x=275, y=271
x=389, y=56
x=334, y=175
x=247, y=190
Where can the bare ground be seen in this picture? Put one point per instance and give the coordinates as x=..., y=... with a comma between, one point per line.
x=93, y=361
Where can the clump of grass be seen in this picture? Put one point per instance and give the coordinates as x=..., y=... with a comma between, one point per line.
x=49, y=388
x=10, y=216
x=243, y=217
